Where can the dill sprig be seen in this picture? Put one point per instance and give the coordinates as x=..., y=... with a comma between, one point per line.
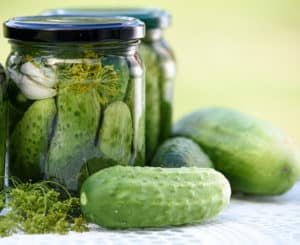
x=35, y=208
x=102, y=78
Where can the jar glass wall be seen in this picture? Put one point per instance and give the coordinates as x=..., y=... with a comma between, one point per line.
x=75, y=107
x=3, y=124
x=159, y=63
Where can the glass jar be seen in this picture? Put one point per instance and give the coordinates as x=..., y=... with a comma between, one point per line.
x=160, y=68
x=76, y=89
x=3, y=124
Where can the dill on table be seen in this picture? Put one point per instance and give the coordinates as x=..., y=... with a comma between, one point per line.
x=36, y=208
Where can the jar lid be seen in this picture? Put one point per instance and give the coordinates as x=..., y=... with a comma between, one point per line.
x=73, y=28
x=152, y=17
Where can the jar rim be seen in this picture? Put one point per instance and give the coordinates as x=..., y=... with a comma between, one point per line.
x=60, y=28
x=152, y=17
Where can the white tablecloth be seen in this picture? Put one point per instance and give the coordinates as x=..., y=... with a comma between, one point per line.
x=248, y=220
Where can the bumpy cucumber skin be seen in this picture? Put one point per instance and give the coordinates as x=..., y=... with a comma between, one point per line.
x=29, y=141
x=180, y=152
x=256, y=157
x=73, y=142
x=136, y=197
x=152, y=99
x=115, y=137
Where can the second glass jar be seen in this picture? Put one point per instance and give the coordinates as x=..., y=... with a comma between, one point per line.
x=76, y=97
x=160, y=67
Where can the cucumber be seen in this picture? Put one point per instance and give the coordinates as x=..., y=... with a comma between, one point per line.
x=152, y=99
x=167, y=68
x=135, y=100
x=138, y=197
x=139, y=157
x=115, y=136
x=180, y=152
x=29, y=141
x=166, y=112
x=14, y=116
x=255, y=156
x=74, y=138
x=18, y=104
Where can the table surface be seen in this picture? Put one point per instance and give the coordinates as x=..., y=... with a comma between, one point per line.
x=248, y=220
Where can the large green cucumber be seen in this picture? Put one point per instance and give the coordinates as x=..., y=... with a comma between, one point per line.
x=152, y=99
x=136, y=197
x=73, y=142
x=255, y=156
x=180, y=152
x=116, y=132
x=29, y=141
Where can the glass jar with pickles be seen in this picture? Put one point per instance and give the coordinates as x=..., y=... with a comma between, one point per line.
x=76, y=94
x=160, y=67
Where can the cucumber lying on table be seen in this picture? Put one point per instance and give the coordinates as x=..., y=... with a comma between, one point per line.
x=180, y=152
x=136, y=197
x=255, y=156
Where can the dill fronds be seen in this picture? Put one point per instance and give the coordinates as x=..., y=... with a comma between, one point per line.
x=35, y=208
x=93, y=75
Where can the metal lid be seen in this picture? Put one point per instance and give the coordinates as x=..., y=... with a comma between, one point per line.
x=73, y=28
x=153, y=18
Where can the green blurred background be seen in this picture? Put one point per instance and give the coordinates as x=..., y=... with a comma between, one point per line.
x=243, y=54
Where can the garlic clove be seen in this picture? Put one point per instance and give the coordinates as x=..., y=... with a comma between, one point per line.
x=43, y=76
x=33, y=90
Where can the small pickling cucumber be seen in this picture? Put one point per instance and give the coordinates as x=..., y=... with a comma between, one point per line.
x=167, y=70
x=74, y=137
x=137, y=197
x=140, y=150
x=152, y=99
x=18, y=104
x=180, y=152
x=116, y=132
x=29, y=141
x=255, y=156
